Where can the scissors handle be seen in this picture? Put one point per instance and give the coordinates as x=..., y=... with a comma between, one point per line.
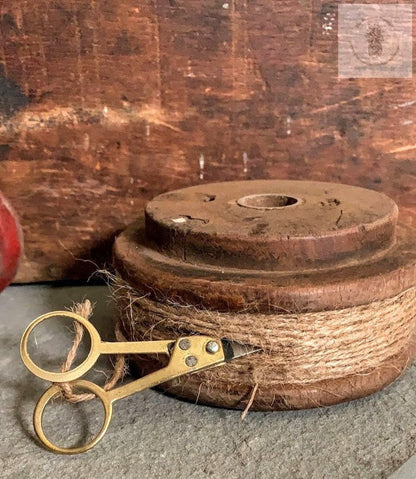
x=188, y=355
x=55, y=391
x=97, y=347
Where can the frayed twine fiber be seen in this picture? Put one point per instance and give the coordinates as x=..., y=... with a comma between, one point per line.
x=297, y=348
x=250, y=401
x=85, y=310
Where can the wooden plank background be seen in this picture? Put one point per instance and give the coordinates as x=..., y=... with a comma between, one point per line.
x=105, y=104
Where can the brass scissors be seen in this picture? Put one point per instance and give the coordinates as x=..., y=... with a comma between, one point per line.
x=187, y=355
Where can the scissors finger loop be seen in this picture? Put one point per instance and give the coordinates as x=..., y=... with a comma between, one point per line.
x=73, y=373
x=55, y=391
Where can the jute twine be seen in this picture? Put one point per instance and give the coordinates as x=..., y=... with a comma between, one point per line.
x=297, y=349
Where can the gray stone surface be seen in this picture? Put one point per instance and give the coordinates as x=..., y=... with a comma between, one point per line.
x=154, y=436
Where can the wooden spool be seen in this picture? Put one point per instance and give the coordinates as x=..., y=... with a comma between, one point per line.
x=288, y=246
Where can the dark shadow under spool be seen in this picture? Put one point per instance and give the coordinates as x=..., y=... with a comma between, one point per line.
x=324, y=285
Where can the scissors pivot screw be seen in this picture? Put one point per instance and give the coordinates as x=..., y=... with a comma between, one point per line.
x=191, y=361
x=212, y=347
x=184, y=344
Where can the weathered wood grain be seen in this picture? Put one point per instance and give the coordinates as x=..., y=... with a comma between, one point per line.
x=105, y=104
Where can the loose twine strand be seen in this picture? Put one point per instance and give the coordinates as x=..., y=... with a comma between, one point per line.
x=85, y=310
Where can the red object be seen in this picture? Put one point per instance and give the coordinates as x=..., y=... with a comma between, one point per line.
x=11, y=243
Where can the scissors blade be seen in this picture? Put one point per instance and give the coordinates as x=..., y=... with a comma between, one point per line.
x=233, y=350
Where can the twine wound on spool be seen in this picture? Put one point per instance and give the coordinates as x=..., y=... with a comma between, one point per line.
x=297, y=348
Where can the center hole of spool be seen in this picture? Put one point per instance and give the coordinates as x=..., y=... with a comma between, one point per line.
x=267, y=201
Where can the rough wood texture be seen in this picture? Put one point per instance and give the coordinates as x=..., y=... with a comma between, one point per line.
x=207, y=259
x=334, y=247
x=105, y=104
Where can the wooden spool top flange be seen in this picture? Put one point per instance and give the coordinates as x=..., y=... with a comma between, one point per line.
x=275, y=244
